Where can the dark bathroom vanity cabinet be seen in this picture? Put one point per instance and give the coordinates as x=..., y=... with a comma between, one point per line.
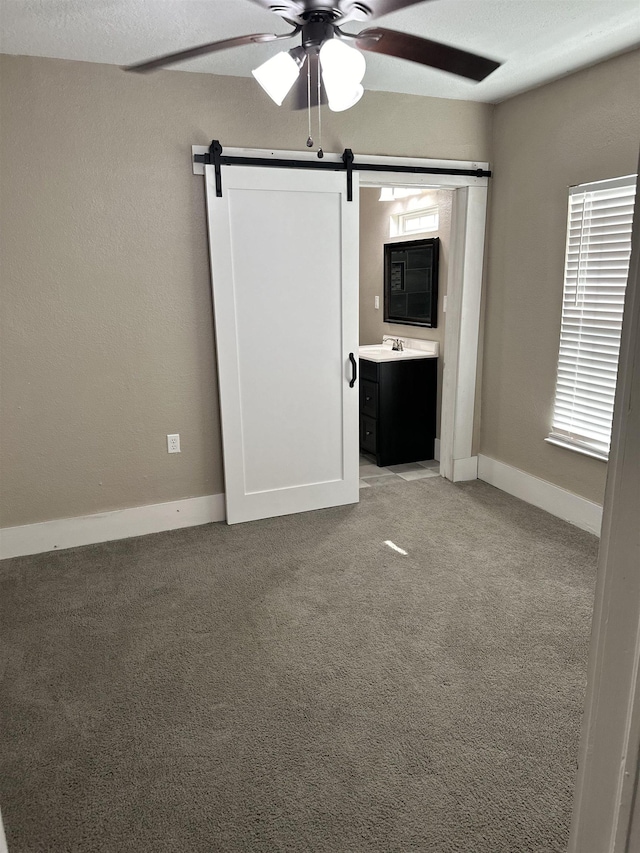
x=398, y=409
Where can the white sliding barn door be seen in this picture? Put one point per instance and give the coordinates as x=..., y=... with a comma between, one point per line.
x=284, y=266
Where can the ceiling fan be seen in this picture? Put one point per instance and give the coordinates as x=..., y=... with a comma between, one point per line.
x=337, y=53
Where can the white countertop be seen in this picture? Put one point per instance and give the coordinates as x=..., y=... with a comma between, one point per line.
x=413, y=348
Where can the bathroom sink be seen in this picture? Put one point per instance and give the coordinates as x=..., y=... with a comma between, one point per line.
x=384, y=352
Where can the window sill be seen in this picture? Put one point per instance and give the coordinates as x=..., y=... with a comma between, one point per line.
x=585, y=451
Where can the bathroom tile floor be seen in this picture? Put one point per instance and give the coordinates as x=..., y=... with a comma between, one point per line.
x=371, y=475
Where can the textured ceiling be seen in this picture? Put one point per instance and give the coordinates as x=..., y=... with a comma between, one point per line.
x=538, y=40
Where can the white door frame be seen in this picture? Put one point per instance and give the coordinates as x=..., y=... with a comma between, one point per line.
x=464, y=286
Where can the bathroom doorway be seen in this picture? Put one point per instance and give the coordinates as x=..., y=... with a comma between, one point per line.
x=468, y=183
x=393, y=215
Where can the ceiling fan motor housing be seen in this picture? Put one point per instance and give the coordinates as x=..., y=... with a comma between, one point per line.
x=317, y=29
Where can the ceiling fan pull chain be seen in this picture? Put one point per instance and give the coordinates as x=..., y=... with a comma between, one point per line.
x=320, y=151
x=309, y=139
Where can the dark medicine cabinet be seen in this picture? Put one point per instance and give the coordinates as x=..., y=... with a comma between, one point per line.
x=411, y=282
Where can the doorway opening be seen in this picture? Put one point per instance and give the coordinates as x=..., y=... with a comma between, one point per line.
x=468, y=184
x=390, y=217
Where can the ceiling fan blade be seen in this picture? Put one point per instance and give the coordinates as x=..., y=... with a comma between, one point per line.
x=341, y=10
x=290, y=10
x=426, y=52
x=353, y=10
x=203, y=49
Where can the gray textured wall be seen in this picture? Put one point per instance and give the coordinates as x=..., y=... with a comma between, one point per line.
x=585, y=127
x=107, y=341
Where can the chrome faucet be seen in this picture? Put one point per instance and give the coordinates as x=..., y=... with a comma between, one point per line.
x=397, y=345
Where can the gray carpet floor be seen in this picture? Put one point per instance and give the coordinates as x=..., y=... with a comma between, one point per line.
x=297, y=685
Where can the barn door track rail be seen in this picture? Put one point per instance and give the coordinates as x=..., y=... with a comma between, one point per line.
x=216, y=158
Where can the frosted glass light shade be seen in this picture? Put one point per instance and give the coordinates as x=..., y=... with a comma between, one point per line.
x=343, y=68
x=344, y=99
x=277, y=75
x=339, y=60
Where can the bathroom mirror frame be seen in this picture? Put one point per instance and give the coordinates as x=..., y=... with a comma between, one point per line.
x=411, y=283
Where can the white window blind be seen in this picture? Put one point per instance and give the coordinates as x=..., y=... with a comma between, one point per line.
x=596, y=268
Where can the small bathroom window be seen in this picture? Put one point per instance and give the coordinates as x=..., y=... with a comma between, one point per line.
x=414, y=222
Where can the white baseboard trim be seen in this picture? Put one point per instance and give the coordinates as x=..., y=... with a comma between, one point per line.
x=436, y=449
x=105, y=526
x=465, y=469
x=559, y=502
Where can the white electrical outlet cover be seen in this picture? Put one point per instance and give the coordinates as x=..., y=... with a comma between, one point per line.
x=377, y=302
x=173, y=443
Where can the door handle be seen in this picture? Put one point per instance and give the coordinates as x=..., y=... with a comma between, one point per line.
x=354, y=370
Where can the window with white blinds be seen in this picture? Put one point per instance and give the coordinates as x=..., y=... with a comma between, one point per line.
x=595, y=278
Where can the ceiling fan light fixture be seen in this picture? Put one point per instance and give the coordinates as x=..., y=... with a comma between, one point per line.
x=339, y=60
x=278, y=74
x=344, y=99
x=343, y=68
